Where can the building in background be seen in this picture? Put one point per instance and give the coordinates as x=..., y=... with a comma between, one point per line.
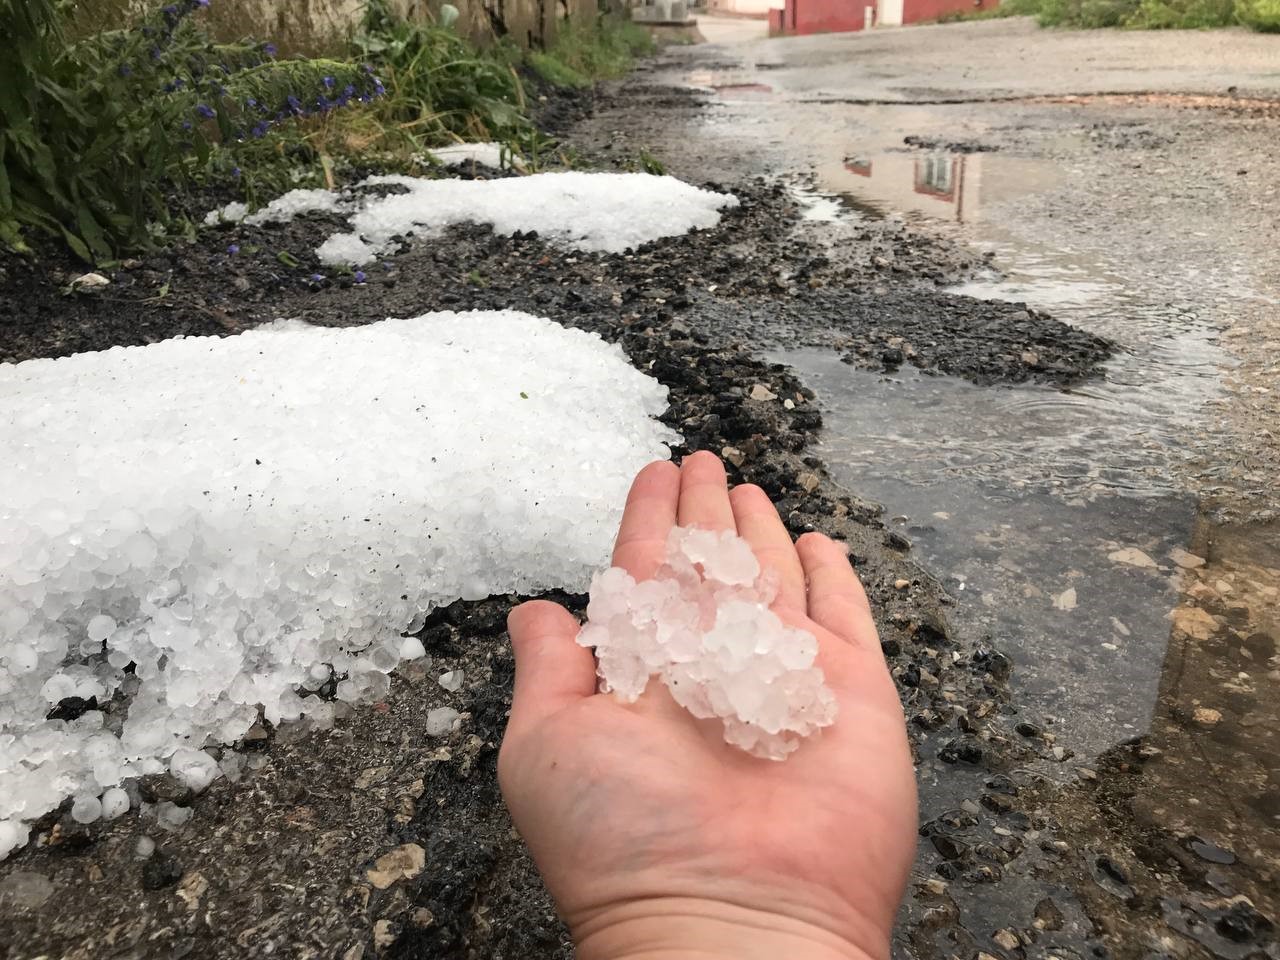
x=840, y=16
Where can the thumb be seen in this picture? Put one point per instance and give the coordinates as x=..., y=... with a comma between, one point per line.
x=552, y=671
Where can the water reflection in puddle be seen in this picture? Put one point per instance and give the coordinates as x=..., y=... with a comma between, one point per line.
x=938, y=185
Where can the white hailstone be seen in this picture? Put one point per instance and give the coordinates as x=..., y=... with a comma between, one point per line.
x=195, y=768
x=451, y=680
x=144, y=848
x=115, y=802
x=489, y=154
x=703, y=627
x=294, y=203
x=411, y=648
x=100, y=627
x=242, y=518
x=609, y=212
x=440, y=721
x=13, y=834
x=170, y=816
x=86, y=809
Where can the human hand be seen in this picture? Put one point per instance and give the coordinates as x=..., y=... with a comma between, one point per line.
x=659, y=840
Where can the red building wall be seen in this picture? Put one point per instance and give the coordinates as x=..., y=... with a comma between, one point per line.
x=840, y=16
x=816, y=16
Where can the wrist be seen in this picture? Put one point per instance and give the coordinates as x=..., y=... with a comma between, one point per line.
x=679, y=928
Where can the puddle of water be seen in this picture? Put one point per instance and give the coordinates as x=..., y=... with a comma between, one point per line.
x=1004, y=492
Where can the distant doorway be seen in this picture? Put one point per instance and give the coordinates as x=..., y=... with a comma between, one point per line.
x=889, y=12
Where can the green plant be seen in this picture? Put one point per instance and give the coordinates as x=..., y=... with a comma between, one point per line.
x=96, y=134
x=1148, y=14
x=1262, y=15
x=1183, y=14
x=555, y=72
x=584, y=53
x=440, y=87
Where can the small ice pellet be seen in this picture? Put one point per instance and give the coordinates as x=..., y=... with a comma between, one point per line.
x=144, y=848
x=746, y=667
x=440, y=721
x=86, y=809
x=412, y=649
x=451, y=680
x=13, y=834
x=114, y=803
x=195, y=768
x=100, y=627
x=170, y=816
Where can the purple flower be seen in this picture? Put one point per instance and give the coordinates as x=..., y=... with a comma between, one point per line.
x=317, y=278
x=186, y=124
x=251, y=102
x=328, y=82
x=233, y=249
x=360, y=277
x=200, y=3
x=205, y=111
x=294, y=103
x=269, y=49
x=124, y=70
x=260, y=129
x=235, y=173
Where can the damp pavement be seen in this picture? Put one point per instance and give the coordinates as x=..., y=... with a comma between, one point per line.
x=998, y=310
x=1114, y=535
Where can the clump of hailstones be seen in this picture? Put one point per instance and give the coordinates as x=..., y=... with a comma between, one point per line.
x=702, y=626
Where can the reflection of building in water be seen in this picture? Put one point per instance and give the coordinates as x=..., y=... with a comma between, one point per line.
x=942, y=186
x=938, y=185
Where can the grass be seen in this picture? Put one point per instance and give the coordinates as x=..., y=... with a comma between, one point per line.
x=583, y=54
x=1262, y=15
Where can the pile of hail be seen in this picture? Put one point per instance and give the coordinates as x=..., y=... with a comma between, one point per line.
x=703, y=627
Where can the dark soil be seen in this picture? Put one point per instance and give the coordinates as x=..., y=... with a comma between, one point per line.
x=276, y=863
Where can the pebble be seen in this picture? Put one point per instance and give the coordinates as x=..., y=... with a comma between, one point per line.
x=901, y=584
x=404, y=862
x=763, y=393
x=89, y=282
x=451, y=680
x=1210, y=851
x=1187, y=561
x=1133, y=557
x=160, y=871
x=384, y=934
x=1048, y=916
x=948, y=847
x=1006, y=939
x=1207, y=716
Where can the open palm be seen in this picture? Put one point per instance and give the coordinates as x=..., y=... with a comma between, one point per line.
x=654, y=835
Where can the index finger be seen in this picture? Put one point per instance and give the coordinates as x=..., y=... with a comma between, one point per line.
x=650, y=514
